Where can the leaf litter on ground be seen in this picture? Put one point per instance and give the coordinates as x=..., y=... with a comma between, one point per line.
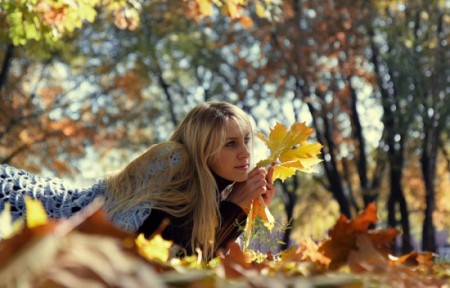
x=89, y=250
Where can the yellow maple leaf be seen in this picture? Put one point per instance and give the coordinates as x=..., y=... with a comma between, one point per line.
x=284, y=171
x=154, y=249
x=205, y=7
x=289, y=153
x=36, y=214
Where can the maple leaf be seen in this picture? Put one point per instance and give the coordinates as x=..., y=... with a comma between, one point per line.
x=79, y=251
x=307, y=251
x=414, y=258
x=344, y=237
x=154, y=249
x=36, y=214
x=238, y=264
x=234, y=259
x=365, y=257
x=289, y=153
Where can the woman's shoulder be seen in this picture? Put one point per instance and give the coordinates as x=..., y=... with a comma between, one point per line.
x=166, y=155
x=167, y=148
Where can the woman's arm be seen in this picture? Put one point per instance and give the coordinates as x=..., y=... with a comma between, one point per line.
x=232, y=214
x=232, y=219
x=59, y=199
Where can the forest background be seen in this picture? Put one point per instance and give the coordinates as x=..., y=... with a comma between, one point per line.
x=85, y=86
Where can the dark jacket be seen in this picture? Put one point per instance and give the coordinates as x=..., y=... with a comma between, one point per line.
x=179, y=229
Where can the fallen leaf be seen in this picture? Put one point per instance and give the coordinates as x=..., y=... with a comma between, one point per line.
x=155, y=248
x=365, y=258
x=35, y=212
x=343, y=236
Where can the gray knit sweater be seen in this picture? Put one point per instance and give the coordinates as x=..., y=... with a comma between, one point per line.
x=60, y=199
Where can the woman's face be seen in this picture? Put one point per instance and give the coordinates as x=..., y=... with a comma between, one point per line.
x=233, y=160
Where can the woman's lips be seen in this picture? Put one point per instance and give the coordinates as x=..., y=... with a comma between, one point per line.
x=242, y=167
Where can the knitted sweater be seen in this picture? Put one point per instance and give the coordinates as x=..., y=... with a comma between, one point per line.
x=62, y=200
x=59, y=199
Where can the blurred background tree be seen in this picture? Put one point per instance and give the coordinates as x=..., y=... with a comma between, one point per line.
x=86, y=85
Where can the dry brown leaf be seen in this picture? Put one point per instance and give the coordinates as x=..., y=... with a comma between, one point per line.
x=383, y=239
x=344, y=234
x=86, y=260
x=414, y=259
x=235, y=261
x=238, y=264
x=85, y=250
x=366, y=258
x=27, y=252
x=307, y=251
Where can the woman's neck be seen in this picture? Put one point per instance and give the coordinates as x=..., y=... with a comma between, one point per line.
x=221, y=182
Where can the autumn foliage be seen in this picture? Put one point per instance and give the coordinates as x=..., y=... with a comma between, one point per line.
x=88, y=249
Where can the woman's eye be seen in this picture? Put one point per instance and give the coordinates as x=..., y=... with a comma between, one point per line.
x=247, y=139
x=231, y=143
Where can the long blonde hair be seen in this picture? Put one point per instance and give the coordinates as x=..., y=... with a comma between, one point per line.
x=187, y=185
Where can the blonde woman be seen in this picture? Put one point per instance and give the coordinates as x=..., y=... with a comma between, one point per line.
x=194, y=189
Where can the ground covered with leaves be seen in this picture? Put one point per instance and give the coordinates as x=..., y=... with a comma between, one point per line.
x=88, y=251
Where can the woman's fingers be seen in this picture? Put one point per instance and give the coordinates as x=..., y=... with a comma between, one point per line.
x=268, y=195
x=257, y=179
x=253, y=187
x=258, y=184
x=270, y=188
x=257, y=172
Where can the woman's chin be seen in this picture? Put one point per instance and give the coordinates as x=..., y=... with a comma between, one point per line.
x=240, y=178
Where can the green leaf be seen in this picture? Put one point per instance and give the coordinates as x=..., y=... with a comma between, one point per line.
x=31, y=31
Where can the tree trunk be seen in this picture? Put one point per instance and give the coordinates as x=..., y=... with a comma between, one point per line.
x=324, y=134
x=6, y=65
x=428, y=232
x=289, y=200
x=433, y=125
x=367, y=190
x=396, y=197
x=395, y=126
x=428, y=161
x=169, y=99
x=334, y=178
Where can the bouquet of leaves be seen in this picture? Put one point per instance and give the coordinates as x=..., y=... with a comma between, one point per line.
x=289, y=153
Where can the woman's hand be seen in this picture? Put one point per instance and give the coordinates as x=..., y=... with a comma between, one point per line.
x=270, y=188
x=258, y=184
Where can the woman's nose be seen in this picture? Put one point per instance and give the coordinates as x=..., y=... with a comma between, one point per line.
x=245, y=152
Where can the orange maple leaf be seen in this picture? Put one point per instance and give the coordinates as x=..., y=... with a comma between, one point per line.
x=306, y=251
x=365, y=257
x=235, y=262
x=414, y=259
x=344, y=236
x=259, y=209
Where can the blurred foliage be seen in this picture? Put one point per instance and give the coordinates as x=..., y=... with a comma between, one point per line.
x=44, y=24
x=88, y=250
